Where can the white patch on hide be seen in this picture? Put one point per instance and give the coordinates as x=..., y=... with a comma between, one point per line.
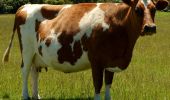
x=145, y=2
x=34, y=11
x=89, y=21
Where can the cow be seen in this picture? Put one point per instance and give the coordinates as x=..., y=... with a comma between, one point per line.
x=65, y=37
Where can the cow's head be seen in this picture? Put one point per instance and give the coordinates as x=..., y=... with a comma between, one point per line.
x=145, y=10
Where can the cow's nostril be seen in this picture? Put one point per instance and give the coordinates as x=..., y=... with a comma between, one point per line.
x=153, y=28
x=146, y=28
x=150, y=28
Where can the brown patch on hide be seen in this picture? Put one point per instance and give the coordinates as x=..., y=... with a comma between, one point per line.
x=77, y=50
x=37, y=24
x=68, y=24
x=65, y=52
x=40, y=50
x=44, y=29
x=68, y=53
x=51, y=11
x=48, y=42
x=85, y=42
x=107, y=6
x=20, y=19
x=68, y=21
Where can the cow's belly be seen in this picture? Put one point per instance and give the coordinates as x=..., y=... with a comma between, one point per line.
x=81, y=64
x=49, y=58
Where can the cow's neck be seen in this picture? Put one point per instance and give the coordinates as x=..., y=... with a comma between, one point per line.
x=134, y=29
x=126, y=24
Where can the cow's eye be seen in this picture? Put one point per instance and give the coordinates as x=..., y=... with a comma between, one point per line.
x=153, y=10
x=139, y=11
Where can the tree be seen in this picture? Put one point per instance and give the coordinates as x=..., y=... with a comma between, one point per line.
x=36, y=1
x=55, y=2
x=2, y=7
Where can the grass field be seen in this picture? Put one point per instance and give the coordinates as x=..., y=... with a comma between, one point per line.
x=147, y=77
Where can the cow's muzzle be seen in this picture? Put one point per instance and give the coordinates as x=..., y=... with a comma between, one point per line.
x=149, y=29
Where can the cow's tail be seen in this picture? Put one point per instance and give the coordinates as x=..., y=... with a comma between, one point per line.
x=7, y=51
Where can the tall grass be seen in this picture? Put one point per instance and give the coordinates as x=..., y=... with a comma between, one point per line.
x=147, y=77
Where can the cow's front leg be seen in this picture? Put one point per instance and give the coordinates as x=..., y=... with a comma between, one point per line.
x=97, y=74
x=34, y=76
x=108, y=83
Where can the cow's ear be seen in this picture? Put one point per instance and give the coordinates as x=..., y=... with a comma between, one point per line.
x=132, y=3
x=127, y=2
x=161, y=4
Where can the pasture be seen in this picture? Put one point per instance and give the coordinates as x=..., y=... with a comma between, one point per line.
x=146, y=78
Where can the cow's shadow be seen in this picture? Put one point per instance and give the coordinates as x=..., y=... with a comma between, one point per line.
x=76, y=98
x=5, y=96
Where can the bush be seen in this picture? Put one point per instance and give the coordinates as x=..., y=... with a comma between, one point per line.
x=55, y=2
x=2, y=7
x=8, y=9
x=11, y=6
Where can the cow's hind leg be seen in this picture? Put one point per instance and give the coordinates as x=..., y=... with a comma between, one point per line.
x=108, y=82
x=34, y=76
x=27, y=63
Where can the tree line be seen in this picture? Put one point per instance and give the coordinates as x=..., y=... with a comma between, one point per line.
x=11, y=6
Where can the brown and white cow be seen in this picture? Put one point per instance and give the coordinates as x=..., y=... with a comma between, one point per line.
x=65, y=37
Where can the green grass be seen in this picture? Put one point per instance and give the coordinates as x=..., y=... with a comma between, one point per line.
x=147, y=77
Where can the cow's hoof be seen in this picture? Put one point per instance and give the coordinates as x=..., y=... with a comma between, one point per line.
x=108, y=98
x=28, y=98
x=35, y=98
